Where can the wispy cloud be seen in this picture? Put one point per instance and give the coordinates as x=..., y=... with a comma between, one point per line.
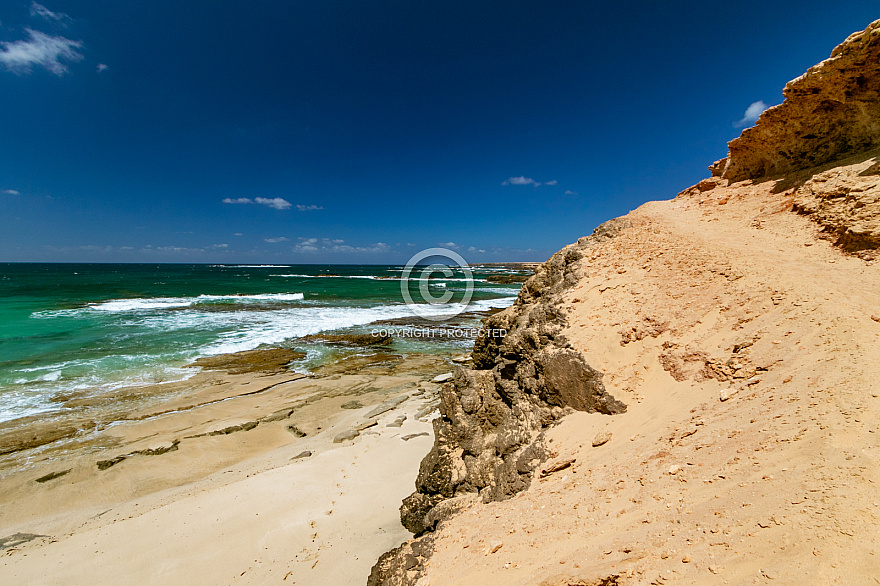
x=275, y=202
x=551, y=182
x=451, y=245
x=11, y=192
x=40, y=10
x=521, y=180
x=102, y=67
x=308, y=208
x=275, y=240
x=753, y=112
x=337, y=246
x=39, y=49
x=370, y=249
x=306, y=245
x=570, y=192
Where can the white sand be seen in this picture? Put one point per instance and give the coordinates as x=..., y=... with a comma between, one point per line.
x=266, y=518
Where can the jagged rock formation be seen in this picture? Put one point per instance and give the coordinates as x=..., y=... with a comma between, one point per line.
x=488, y=440
x=846, y=201
x=829, y=112
x=818, y=144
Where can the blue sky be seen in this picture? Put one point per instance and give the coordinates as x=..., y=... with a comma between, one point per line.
x=362, y=132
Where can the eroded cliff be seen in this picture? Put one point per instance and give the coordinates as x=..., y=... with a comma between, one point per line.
x=489, y=438
x=829, y=112
x=736, y=335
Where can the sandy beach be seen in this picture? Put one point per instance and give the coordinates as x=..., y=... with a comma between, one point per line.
x=245, y=478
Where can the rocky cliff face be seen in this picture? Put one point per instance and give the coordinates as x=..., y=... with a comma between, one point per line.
x=820, y=144
x=489, y=437
x=829, y=112
x=845, y=200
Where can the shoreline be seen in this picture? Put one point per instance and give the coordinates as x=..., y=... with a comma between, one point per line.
x=161, y=484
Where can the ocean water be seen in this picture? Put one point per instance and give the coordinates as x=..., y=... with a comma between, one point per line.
x=77, y=328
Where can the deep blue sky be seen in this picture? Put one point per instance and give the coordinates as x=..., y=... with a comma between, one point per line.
x=125, y=125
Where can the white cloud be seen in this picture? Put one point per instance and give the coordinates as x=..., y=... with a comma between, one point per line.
x=551, y=182
x=371, y=249
x=219, y=246
x=177, y=249
x=40, y=49
x=275, y=202
x=11, y=192
x=452, y=245
x=306, y=245
x=570, y=192
x=102, y=67
x=238, y=234
x=40, y=10
x=308, y=208
x=336, y=245
x=275, y=240
x=521, y=180
x=752, y=113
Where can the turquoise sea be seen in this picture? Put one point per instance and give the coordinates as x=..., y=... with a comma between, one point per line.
x=97, y=327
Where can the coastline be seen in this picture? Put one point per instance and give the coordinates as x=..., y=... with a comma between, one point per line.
x=688, y=395
x=219, y=473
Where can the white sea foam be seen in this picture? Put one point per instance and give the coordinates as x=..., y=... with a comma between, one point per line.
x=277, y=326
x=208, y=332
x=260, y=297
x=34, y=395
x=120, y=305
x=299, y=276
x=20, y=404
x=136, y=304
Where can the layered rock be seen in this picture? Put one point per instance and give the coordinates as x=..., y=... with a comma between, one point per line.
x=829, y=112
x=846, y=201
x=489, y=437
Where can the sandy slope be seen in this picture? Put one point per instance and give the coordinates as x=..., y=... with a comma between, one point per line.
x=723, y=294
